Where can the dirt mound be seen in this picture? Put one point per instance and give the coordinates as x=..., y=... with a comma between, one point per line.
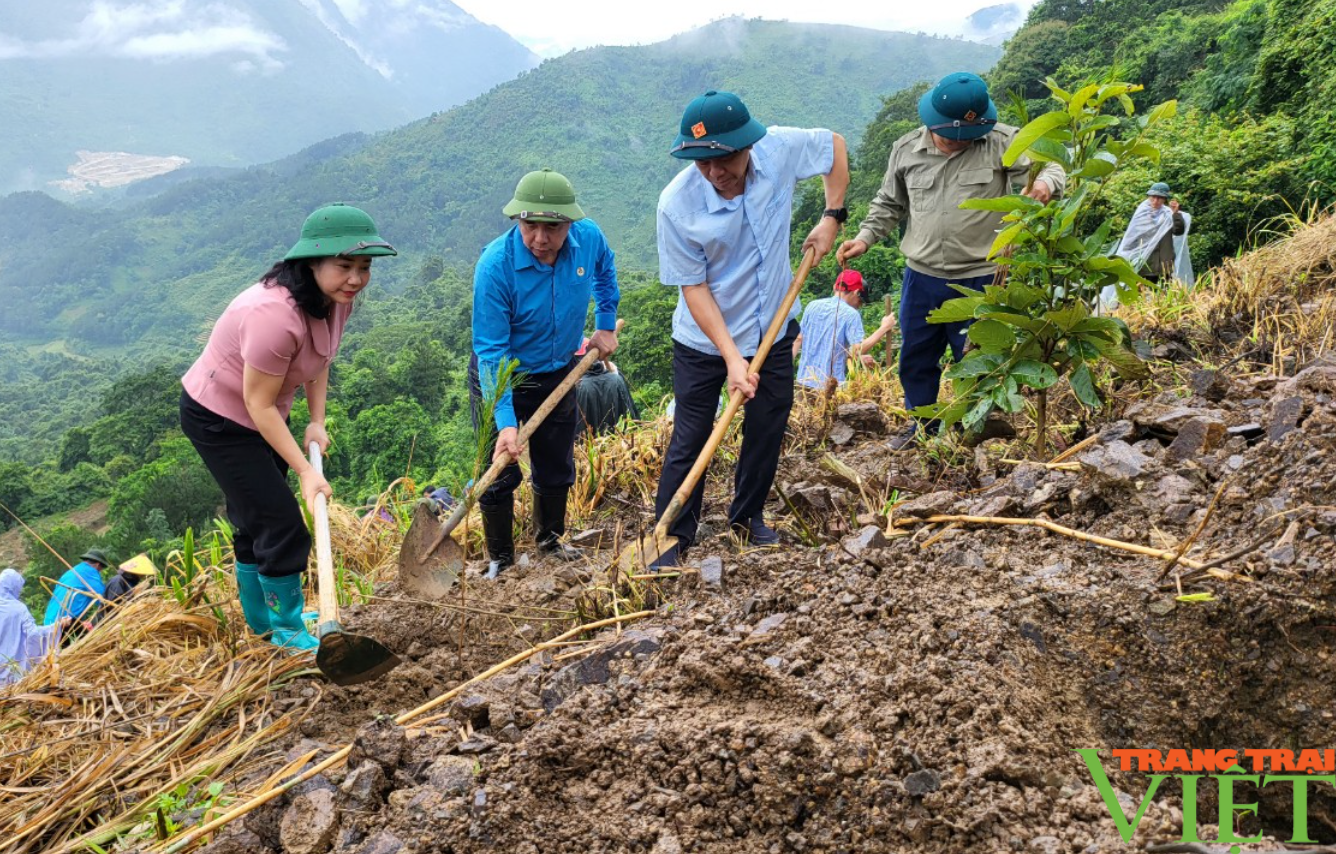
x=915, y=686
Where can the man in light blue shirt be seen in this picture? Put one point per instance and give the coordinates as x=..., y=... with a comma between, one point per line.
x=832, y=333
x=531, y=291
x=723, y=236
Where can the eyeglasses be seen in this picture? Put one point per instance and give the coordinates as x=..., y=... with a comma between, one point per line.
x=960, y=123
x=711, y=144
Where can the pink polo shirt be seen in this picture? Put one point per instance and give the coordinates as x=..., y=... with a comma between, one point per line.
x=264, y=328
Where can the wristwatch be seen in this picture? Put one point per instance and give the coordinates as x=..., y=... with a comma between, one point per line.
x=837, y=214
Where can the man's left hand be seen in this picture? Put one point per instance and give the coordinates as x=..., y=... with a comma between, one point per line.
x=1040, y=192
x=822, y=238
x=606, y=342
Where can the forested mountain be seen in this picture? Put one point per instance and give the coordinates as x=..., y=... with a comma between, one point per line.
x=228, y=82
x=605, y=117
x=1253, y=139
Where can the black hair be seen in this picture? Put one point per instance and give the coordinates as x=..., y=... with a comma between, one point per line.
x=299, y=279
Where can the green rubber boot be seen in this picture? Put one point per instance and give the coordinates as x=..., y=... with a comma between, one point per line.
x=284, y=600
x=252, y=598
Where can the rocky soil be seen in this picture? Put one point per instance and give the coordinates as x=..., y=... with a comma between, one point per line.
x=902, y=686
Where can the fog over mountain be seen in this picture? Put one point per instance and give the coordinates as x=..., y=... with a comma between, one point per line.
x=228, y=82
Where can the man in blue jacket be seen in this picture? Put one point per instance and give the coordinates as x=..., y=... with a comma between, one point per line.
x=79, y=590
x=531, y=292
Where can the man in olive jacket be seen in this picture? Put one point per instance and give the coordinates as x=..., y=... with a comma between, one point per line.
x=956, y=156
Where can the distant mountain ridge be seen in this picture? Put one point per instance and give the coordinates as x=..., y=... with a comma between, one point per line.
x=229, y=82
x=152, y=273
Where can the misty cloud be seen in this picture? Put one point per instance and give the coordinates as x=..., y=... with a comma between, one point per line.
x=162, y=31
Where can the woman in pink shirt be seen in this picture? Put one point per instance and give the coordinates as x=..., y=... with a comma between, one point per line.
x=278, y=334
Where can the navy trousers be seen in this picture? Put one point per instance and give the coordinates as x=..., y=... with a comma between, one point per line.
x=552, y=446
x=698, y=379
x=922, y=343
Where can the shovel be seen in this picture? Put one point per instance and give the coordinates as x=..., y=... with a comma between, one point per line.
x=346, y=658
x=430, y=561
x=649, y=547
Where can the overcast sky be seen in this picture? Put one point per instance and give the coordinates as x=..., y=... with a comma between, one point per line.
x=553, y=27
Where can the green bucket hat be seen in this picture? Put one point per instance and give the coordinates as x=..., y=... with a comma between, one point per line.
x=544, y=196
x=338, y=229
x=716, y=124
x=958, y=107
x=95, y=556
x=1159, y=188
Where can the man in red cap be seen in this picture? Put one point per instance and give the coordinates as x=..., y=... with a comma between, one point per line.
x=832, y=333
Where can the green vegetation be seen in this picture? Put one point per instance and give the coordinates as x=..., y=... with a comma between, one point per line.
x=1042, y=324
x=104, y=312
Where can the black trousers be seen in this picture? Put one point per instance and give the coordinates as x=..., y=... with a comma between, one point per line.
x=269, y=529
x=698, y=379
x=552, y=446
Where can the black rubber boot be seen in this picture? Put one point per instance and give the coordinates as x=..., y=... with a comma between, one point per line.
x=549, y=523
x=498, y=527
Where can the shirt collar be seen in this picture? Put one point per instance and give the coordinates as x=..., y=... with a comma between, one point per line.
x=524, y=258
x=715, y=202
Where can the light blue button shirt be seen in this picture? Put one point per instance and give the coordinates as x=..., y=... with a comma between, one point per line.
x=525, y=310
x=739, y=246
x=830, y=328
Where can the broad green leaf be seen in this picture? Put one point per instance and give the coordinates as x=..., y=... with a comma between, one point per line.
x=1098, y=324
x=955, y=310
x=1005, y=204
x=991, y=335
x=1083, y=385
x=1080, y=350
x=1033, y=325
x=1113, y=90
x=1022, y=296
x=1006, y=237
x=1034, y=373
x=1031, y=132
x=1078, y=102
x=1069, y=315
x=1094, y=169
x=1057, y=91
x=1167, y=110
x=975, y=364
x=964, y=291
x=1071, y=246
x=1008, y=401
x=1099, y=123
x=1050, y=150
x=1126, y=361
x=1146, y=150
x=1128, y=106
x=975, y=417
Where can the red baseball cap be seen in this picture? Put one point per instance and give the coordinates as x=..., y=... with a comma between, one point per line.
x=584, y=345
x=850, y=281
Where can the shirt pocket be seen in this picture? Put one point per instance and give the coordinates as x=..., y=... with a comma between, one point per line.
x=972, y=184
x=920, y=186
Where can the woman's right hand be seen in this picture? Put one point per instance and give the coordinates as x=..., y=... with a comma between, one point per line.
x=312, y=485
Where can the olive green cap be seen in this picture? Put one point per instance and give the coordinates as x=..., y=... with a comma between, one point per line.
x=544, y=196
x=338, y=229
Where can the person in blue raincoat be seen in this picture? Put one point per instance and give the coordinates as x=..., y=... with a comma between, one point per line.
x=79, y=590
x=22, y=641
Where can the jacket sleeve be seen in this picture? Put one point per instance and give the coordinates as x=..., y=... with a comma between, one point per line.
x=607, y=295
x=887, y=208
x=492, y=310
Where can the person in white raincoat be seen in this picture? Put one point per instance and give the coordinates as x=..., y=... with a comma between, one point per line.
x=1155, y=240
